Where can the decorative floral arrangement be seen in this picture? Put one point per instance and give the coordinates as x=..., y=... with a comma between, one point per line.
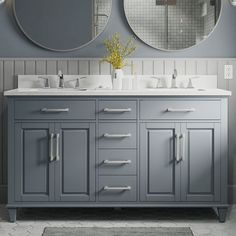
x=118, y=51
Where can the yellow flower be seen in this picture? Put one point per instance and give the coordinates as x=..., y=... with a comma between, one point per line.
x=118, y=51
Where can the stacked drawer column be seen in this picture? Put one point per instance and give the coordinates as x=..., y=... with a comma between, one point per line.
x=117, y=155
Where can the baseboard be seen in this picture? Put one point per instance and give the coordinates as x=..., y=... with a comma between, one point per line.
x=3, y=194
x=231, y=191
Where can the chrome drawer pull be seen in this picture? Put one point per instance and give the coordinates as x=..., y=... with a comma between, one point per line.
x=182, y=147
x=126, y=162
x=57, y=147
x=126, y=188
x=180, y=110
x=51, y=157
x=117, y=135
x=177, y=158
x=110, y=110
x=49, y=110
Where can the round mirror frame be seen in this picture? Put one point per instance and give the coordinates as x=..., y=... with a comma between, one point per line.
x=52, y=49
x=176, y=50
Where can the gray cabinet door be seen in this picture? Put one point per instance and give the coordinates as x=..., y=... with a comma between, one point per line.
x=200, y=168
x=75, y=167
x=159, y=171
x=33, y=169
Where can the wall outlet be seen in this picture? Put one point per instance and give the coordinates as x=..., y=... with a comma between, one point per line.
x=228, y=74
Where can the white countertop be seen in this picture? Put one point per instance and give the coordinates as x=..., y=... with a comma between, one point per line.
x=146, y=92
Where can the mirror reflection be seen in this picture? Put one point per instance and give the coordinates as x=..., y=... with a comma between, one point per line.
x=62, y=25
x=172, y=24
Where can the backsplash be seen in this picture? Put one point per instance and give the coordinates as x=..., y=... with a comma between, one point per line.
x=11, y=67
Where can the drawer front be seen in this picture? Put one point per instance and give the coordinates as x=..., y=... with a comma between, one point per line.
x=25, y=109
x=117, y=110
x=117, y=162
x=117, y=189
x=117, y=135
x=180, y=110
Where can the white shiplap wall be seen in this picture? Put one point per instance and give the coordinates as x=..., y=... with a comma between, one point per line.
x=10, y=67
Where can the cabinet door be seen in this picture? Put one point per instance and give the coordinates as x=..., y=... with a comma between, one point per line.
x=200, y=167
x=75, y=164
x=33, y=169
x=159, y=172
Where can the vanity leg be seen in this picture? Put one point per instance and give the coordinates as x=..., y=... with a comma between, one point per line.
x=12, y=214
x=222, y=213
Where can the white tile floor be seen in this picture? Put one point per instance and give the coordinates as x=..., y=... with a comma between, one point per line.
x=203, y=222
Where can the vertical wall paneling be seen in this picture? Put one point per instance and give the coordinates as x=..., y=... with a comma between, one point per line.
x=158, y=67
x=83, y=67
x=148, y=67
x=9, y=68
x=191, y=67
x=180, y=67
x=30, y=67
x=169, y=67
x=73, y=67
x=41, y=67
x=212, y=68
x=94, y=67
x=130, y=66
x=63, y=66
x=51, y=67
x=136, y=67
x=105, y=68
x=222, y=83
x=19, y=70
x=201, y=67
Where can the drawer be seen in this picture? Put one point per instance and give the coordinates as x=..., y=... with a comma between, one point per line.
x=48, y=109
x=117, y=135
x=117, y=162
x=117, y=110
x=180, y=110
x=117, y=189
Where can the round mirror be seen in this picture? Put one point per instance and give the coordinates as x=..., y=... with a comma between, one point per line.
x=62, y=25
x=172, y=24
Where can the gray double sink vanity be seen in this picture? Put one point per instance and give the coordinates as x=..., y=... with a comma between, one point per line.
x=106, y=148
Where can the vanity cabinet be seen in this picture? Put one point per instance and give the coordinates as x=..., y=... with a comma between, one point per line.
x=159, y=170
x=54, y=162
x=117, y=152
x=184, y=155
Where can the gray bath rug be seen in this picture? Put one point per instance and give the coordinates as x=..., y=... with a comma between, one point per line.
x=167, y=231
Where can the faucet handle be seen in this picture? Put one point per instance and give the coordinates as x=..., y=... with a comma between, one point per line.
x=46, y=81
x=77, y=84
x=190, y=82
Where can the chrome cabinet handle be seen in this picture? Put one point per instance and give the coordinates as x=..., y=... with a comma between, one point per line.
x=57, y=147
x=51, y=157
x=180, y=110
x=177, y=147
x=125, y=188
x=182, y=147
x=111, y=110
x=108, y=162
x=106, y=135
x=57, y=110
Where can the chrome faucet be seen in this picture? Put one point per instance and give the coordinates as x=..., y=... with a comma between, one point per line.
x=46, y=81
x=61, y=79
x=174, y=77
